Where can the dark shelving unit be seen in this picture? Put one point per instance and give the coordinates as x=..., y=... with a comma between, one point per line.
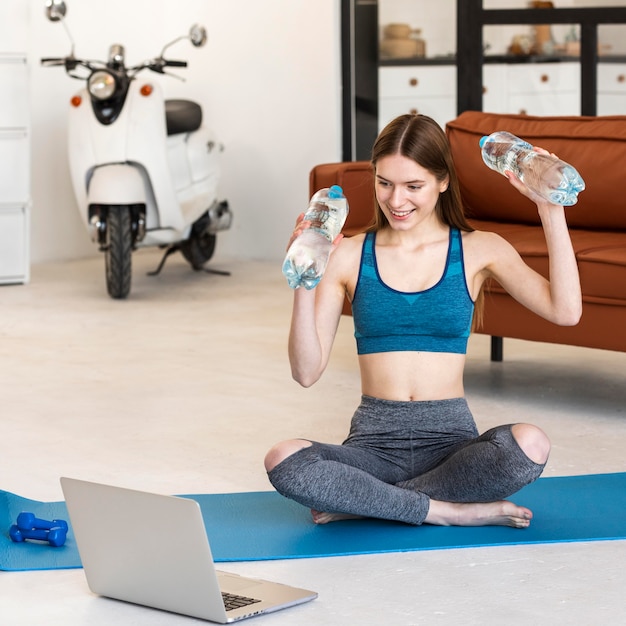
x=359, y=51
x=360, y=62
x=471, y=17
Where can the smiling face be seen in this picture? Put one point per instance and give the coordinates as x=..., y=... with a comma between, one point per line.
x=415, y=175
x=407, y=193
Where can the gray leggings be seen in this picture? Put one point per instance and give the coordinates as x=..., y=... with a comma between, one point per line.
x=399, y=455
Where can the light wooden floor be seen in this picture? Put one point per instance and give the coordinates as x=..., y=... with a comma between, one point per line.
x=184, y=386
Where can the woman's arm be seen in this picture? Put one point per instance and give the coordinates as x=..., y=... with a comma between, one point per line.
x=314, y=320
x=558, y=299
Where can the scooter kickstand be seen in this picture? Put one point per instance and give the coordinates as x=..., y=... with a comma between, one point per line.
x=209, y=270
x=170, y=250
x=175, y=248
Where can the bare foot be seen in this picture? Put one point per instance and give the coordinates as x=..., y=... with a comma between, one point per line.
x=319, y=517
x=503, y=513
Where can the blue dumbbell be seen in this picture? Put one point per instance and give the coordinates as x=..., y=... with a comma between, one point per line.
x=54, y=536
x=28, y=521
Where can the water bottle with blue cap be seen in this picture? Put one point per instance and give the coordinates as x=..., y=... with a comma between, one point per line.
x=549, y=177
x=307, y=257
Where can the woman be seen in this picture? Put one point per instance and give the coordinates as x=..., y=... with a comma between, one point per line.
x=413, y=453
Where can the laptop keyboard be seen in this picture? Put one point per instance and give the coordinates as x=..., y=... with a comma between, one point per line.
x=232, y=601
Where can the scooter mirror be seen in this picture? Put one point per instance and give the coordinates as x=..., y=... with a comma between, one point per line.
x=198, y=35
x=55, y=10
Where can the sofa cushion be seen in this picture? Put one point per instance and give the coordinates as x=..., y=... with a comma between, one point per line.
x=601, y=257
x=603, y=273
x=595, y=146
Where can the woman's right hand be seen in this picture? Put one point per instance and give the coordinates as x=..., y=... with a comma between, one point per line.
x=301, y=224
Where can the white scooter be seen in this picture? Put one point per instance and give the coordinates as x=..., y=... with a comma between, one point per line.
x=144, y=169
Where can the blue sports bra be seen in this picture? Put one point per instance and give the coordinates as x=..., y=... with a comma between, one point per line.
x=438, y=319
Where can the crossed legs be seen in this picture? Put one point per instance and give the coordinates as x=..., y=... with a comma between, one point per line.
x=466, y=488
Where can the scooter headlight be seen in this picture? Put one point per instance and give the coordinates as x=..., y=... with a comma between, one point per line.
x=102, y=85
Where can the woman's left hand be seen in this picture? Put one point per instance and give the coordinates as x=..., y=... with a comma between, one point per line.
x=523, y=189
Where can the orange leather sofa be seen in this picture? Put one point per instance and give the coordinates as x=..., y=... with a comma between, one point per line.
x=596, y=146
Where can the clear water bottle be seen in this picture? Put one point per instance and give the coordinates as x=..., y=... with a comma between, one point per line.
x=308, y=254
x=549, y=177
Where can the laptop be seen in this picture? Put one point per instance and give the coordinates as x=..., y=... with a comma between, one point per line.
x=153, y=550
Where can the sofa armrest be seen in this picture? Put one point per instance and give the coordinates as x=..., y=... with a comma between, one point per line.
x=357, y=181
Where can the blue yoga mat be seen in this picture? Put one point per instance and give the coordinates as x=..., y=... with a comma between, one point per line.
x=264, y=526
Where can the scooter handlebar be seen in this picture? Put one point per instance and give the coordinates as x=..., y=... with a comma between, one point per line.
x=53, y=61
x=158, y=65
x=69, y=63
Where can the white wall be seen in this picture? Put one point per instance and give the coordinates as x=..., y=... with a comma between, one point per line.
x=269, y=81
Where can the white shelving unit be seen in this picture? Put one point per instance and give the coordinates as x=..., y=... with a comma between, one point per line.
x=14, y=145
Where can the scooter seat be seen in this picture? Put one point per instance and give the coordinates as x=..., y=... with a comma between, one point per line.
x=182, y=116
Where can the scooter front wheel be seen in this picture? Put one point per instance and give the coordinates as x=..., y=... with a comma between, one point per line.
x=118, y=251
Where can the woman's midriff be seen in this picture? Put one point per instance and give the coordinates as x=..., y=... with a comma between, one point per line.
x=412, y=376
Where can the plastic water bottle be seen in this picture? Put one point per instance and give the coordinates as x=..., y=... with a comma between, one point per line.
x=308, y=254
x=549, y=177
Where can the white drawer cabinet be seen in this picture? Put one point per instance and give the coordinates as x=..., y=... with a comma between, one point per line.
x=495, y=91
x=14, y=93
x=544, y=78
x=415, y=81
x=544, y=89
x=14, y=253
x=530, y=88
x=551, y=103
x=14, y=169
x=611, y=89
x=430, y=90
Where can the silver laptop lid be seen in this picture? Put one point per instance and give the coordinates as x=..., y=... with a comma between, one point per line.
x=153, y=550
x=144, y=548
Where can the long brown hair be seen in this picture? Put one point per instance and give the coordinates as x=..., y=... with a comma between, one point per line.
x=421, y=139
